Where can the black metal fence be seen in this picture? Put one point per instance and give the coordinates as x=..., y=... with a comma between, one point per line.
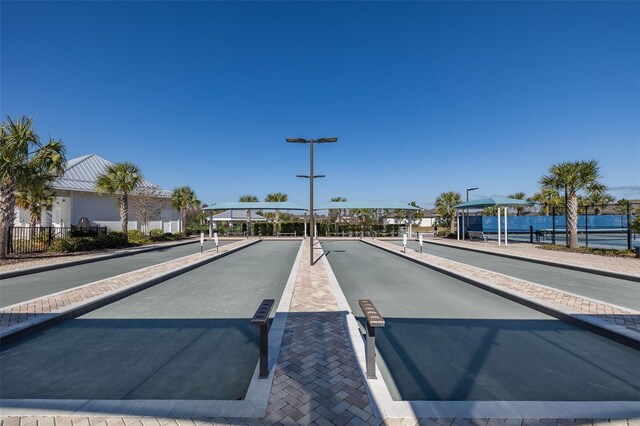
x=29, y=239
x=610, y=226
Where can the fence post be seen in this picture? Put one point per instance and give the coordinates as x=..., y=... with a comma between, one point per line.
x=628, y=225
x=586, y=226
x=9, y=239
x=553, y=225
x=531, y=234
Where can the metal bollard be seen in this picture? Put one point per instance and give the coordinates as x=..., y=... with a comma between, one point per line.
x=637, y=252
x=261, y=318
x=374, y=320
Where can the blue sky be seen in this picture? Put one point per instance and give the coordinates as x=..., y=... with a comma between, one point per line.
x=425, y=97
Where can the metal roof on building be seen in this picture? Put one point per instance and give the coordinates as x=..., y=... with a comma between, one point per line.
x=82, y=173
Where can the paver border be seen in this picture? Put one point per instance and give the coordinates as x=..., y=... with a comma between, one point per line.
x=596, y=271
x=254, y=404
x=43, y=321
x=618, y=334
x=385, y=407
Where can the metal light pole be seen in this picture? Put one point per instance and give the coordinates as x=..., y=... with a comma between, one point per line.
x=310, y=177
x=468, y=189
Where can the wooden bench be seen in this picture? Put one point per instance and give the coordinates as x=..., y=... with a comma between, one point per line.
x=478, y=235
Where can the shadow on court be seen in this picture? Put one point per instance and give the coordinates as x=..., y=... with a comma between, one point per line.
x=507, y=360
x=133, y=359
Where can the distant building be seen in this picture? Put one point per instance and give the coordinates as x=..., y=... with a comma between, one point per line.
x=429, y=217
x=76, y=197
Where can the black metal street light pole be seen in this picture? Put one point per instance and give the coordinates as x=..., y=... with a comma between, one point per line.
x=310, y=177
x=468, y=189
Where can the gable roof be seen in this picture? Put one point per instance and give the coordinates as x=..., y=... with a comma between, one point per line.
x=82, y=173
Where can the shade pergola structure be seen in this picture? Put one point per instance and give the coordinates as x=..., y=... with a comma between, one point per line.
x=391, y=205
x=258, y=205
x=483, y=203
x=235, y=216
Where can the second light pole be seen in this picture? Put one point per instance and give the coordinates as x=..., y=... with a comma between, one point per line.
x=310, y=177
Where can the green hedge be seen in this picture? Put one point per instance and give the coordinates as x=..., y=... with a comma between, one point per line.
x=113, y=239
x=267, y=229
x=74, y=244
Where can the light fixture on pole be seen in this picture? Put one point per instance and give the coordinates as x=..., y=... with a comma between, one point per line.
x=310, y=176
x=464, y=231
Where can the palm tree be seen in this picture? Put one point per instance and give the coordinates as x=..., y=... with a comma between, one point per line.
x=34, y=199
x=547, y=198
x=598, y=200
x=183, y=198
x=519, y=196
x=24, y=162
x=573, y=177
x=277, y=197
x=120, y=179
x=336, y=213
x=445, y=204
x=248, y=199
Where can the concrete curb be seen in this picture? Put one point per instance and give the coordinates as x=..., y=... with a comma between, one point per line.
x=122, y=253
x=47, y=320
x=617, y=333
x=610, y=274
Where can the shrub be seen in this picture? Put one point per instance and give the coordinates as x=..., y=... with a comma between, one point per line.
x=76, y=244
x=138, y=238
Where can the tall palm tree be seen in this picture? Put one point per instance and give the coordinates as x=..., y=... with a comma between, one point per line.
x=183, y=198
x=35, y=198
x=248, y=199
x=120, y=179
x=24, y=162
x=573, y=177
x=445, y=204
x=277, y=197
x=519, y=196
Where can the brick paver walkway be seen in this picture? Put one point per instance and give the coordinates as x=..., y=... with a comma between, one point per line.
x=566, y=302
x=57, y=303
x=624, y=265
x=317, y=378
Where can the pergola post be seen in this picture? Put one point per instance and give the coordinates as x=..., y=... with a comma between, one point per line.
x=499, y=233
x=458, y=224
x=210, y=223
x=463, y=227
x=506, y=232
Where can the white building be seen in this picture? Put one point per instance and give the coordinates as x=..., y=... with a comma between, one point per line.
x=76, y=197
